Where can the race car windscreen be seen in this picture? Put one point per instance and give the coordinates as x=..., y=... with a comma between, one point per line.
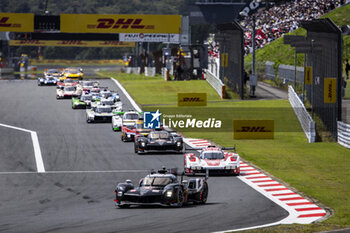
x=156, y=181
x=159, y=135
x=212, y=155
x=69, y=89
x=104, y=110
x=107, y=102
x=86, y=97
x=131, y=116
x=73, y=71
x=52, y=72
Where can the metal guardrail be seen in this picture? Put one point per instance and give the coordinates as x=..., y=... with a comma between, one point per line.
x=304, y=117
x=216, y=83
x=344, y=134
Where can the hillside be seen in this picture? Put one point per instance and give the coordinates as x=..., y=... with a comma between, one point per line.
x=284, y=54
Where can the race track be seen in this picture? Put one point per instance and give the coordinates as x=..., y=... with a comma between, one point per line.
x=83, y=163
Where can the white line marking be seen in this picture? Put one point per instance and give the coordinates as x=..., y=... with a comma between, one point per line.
x=132, y=101
x=37, y=152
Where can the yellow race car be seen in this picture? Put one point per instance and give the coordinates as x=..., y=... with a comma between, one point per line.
x=72, y=73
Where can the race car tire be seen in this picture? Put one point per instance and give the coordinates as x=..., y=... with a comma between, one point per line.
x=136, y=149
x=202, y=196
x=180, y=198
x=73, y=106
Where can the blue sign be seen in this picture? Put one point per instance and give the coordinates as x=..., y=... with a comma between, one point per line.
x=151, y=120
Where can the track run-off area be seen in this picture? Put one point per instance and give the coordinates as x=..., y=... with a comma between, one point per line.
x=58, y=174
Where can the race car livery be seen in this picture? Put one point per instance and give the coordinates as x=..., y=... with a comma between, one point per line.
x=50, y=77
x=120, y=117
x=162, y=188
x=100, y=113
x=84, y=101
x=116, y=106
x=67, y=82
x=72, y=73
x=214, y=159
x=107, y=94
x=65, y=92
x=159, y=141
x=87, y=86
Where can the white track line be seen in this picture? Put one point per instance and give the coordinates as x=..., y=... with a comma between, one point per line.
x=132, y=101
x=37, y=152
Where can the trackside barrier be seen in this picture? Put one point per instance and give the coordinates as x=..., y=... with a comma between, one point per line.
x=133, y=70
x=344, y=134
x=150, y=71
x=165, y=74
x=216, y=83
x=304, y=117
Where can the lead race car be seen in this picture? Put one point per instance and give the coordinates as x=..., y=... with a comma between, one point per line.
x=162, y=188
x=213, y=159
x=50, y=77
x=159, y=141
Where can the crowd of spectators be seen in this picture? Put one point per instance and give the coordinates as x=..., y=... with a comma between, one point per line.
x=275, y=20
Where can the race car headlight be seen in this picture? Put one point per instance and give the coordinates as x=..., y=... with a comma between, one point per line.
x=178, y=143
x=120, y=193
x=169, y=193
x=128, y=135
x=143, y=144
x=121, y=188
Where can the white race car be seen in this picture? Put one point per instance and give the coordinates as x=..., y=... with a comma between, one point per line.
x=214, y=159
x=100, y=113
x=124, y=118
x=65, y=92
x=116, y=106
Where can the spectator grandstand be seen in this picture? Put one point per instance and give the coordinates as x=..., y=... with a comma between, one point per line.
x=278, y=19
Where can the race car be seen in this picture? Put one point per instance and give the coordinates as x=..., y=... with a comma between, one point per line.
x=107, y=94
x=116, y=106
x=50, y=77
x=214, y=159
x=84, y=101
x=159, y=141
x=100, y=113
x=72, y=73
x=87, y=86
x=65, y=92
x=162, y=188
x=67, y=82
x=120, y=117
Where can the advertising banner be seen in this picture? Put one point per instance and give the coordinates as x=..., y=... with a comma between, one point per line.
x=95, y=23
x=150, y=37
x=16, y=22
x=71, y=43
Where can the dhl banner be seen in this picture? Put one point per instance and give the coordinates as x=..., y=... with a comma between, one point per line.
x=191, y=99
x=330, y=90
x=16, y=22
x=71, y=43
x=253, y=129
x=94, y=23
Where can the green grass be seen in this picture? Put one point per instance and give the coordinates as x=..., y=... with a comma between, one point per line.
x=162, y=92
x=318, y=170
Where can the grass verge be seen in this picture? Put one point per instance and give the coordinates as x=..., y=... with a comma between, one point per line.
x=318, y=170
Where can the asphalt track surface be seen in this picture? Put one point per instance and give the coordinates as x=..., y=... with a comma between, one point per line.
x=83, y=163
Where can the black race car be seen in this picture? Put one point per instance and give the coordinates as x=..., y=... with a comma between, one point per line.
x=159, y=141
x=162, y=188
